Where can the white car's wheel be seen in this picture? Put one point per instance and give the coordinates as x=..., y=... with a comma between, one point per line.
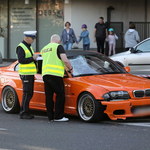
x=89, y=109
x=10, y=102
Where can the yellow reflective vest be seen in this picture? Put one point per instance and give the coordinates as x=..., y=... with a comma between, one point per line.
x=27, y=69
x=52, y=65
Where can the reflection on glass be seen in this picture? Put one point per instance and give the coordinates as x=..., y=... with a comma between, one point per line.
x=22, y=18
x=93, y=65
x=144, y=47
x=50, y=19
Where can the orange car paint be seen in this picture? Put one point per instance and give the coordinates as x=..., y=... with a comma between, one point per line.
x=97, y=85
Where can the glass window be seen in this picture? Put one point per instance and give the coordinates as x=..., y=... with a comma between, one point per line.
x=93, y=65
x=50, y=20
x=22, y=18
x=144, y=47
x=3, y=27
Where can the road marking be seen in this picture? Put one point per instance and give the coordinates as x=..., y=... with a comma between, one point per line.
x=140, y=124
x=4, y=149
x=2, y=129
x=143, y=124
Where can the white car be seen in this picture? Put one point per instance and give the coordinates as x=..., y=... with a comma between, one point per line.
x=137, y=58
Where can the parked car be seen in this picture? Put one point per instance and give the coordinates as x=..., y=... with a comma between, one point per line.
x=138, y=58
x=97, y=87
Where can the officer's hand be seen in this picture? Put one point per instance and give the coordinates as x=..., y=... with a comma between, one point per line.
x=70, y=71
x=35, y=56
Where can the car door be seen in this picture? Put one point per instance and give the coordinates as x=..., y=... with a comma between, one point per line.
x=38, y=99
x=139, y=60
x=39, y=93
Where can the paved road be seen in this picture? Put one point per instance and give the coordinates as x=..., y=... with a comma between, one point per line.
x=38, y=134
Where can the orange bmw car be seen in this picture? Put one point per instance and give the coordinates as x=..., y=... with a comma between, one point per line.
x=97, y=87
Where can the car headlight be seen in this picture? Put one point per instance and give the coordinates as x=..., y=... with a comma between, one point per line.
x=116, y=96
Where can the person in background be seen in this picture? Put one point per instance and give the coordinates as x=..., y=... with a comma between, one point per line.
x=111, y=39
x=68, y=37
x=53, y=66
x=100, y=34
x=27, y=69
x=85, y=36
x=131, y=37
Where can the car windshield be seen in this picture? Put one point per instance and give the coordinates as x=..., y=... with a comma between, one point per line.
x=144, y=47
x=84, y=65
x=88, y=64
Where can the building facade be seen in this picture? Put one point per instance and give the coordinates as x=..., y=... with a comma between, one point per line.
x=48, y=17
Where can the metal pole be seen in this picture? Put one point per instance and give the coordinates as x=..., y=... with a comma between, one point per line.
x=145, y=10
x=145, y=19
x=8, y=29
x=37, y=26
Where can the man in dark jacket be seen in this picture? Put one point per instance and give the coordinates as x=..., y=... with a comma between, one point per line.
x=100, y=34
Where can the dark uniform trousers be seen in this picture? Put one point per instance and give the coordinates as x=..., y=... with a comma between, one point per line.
x=54, y=84
x=28, y=85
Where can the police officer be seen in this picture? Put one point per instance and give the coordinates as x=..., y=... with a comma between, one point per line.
x=54, y=60
x=27, y=69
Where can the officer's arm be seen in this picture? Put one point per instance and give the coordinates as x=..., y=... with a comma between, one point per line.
x=66, y=62
x=21, y=56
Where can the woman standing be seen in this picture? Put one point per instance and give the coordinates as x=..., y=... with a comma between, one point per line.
x=68, y=37
x=131, y=37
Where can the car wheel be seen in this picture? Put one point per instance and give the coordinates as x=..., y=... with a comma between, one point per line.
x=89, y=109
x=10, y=102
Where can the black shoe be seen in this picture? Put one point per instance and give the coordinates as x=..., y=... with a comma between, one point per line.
x=26, y=116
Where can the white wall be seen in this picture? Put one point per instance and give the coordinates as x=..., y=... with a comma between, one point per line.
x=84, y=13
x=79, y=12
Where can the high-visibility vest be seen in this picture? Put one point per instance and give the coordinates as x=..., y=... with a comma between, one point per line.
x=51, y=65
x=27, y=69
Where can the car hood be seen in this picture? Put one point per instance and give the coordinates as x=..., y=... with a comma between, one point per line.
x=121, y=54
x=118, y=81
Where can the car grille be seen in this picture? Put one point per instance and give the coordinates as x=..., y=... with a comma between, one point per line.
x=147, y=93
x=141, y=93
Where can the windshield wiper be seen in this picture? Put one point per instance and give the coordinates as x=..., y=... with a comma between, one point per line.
x=114, y=72
x=88, y=74
x=138, y=51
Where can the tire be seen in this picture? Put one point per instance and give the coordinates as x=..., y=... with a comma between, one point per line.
x=89, y=109
x=10, y=103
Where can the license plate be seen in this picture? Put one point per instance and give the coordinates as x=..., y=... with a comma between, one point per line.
x=141, y=110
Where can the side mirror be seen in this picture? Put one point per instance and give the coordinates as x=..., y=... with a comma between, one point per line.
x=127, y=69
x=132, y=50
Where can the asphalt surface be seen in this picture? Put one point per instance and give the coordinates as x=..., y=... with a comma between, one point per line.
x=38, y=134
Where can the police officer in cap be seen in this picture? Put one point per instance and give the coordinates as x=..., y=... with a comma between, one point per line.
x=27, y=69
